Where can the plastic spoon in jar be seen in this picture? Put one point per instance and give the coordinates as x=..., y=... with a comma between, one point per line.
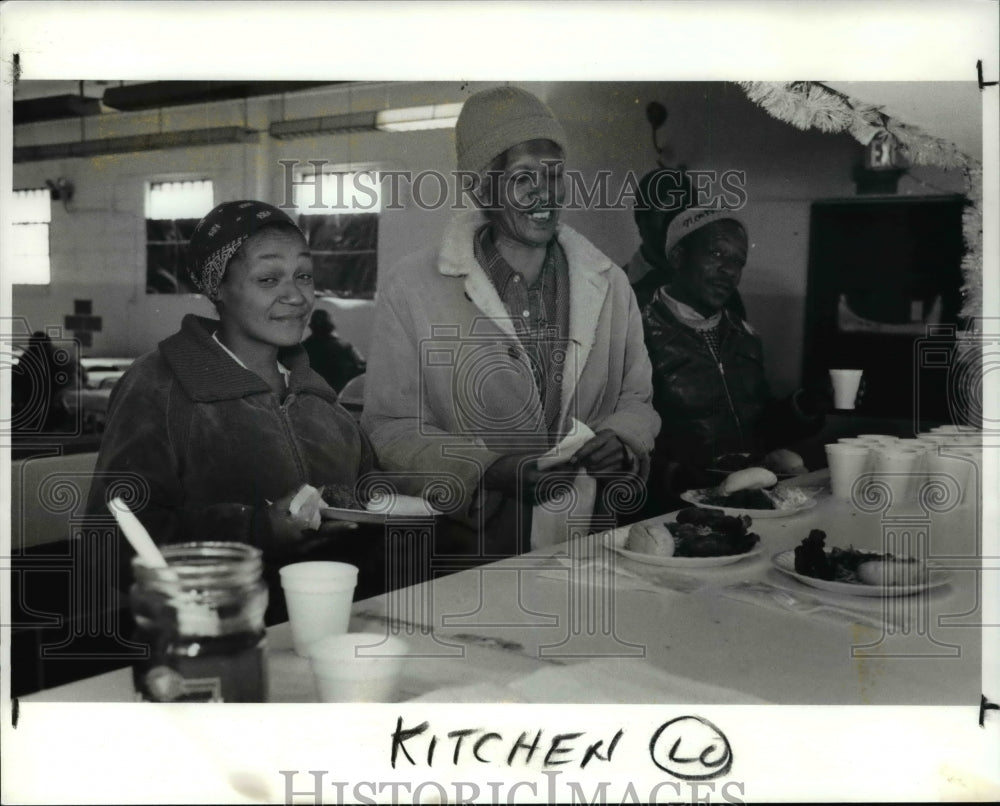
x=136, y=534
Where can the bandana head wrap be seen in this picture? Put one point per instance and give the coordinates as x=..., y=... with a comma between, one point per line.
x=221, y=233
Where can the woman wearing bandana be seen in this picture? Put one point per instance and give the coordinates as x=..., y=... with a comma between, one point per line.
x=216, y=430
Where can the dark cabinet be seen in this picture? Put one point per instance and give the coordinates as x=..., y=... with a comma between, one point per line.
x=884, y=295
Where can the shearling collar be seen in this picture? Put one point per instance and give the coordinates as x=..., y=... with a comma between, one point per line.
x=207, y=374
x=457, y=259
x=588, y=285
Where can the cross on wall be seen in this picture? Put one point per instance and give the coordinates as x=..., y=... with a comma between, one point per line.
x=82, y=323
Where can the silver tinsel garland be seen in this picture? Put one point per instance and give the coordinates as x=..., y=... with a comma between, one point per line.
x=811, y=105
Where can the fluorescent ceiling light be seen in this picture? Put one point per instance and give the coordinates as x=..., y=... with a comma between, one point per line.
x=140, y=142
x=415, y=118
x=328, y=124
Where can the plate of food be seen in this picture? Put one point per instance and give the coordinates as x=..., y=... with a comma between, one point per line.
x=690, y=538
x=783, y=463
x=341, y=502
x=754, y=491
x=857, y=573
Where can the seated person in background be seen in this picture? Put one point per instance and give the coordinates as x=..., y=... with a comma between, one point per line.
x=708, y=365
x=33, y=386
x=225, y=416
x=534, y=328
x=329, y=355
x=663, y=194
x=44, y=387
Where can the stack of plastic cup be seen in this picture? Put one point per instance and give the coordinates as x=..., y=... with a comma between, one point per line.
x=950, y=464
x=846, y=463
x=956, y=429
x=878, y=439
x=854, y=441
x=973, y=456
x=932, y=437
x=858, y=442
x=957, y=457
x=319, y=597
x=898, y=468
x=920, y=468
x=357, y=667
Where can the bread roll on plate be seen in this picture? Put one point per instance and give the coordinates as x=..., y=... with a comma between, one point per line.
x=751, y=478
x=650, y=539
x=891, y=571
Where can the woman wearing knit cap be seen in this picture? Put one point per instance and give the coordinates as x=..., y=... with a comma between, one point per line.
x=510, y=334
x=708, y=363
x=220, y=426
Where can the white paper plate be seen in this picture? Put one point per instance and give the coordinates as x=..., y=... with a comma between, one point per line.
x=695, y=497
x=784, y=561
x=401, y=506
x=356, y=515
x=615, y=541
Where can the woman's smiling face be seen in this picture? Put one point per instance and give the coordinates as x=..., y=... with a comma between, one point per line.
x=530, y=194
x=267, y=295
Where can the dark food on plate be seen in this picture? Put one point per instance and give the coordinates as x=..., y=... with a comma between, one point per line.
x=342, y=496
x=701, y=532
x=851, y=565
x=741, y=499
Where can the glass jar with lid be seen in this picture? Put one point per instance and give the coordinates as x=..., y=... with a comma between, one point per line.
x=202, y=618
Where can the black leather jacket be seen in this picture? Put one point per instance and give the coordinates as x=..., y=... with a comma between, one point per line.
x=710, y=407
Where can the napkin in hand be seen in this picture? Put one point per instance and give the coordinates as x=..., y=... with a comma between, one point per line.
x=549, y=527
x=305, y=505
x=578, y=436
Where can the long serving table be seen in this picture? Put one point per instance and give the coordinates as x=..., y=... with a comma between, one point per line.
x=576, y=622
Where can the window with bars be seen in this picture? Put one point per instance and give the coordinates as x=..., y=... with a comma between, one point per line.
x=339, y=213
x=173, y=210
x=31, y=214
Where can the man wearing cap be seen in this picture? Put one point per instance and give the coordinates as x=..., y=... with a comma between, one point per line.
x=510, y=335
x=663, y=194
x=708, y=363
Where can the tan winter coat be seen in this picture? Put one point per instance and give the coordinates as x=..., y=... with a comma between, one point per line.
x=449, y=388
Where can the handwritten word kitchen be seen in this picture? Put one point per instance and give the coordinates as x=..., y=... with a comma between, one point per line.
x=687, y=747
